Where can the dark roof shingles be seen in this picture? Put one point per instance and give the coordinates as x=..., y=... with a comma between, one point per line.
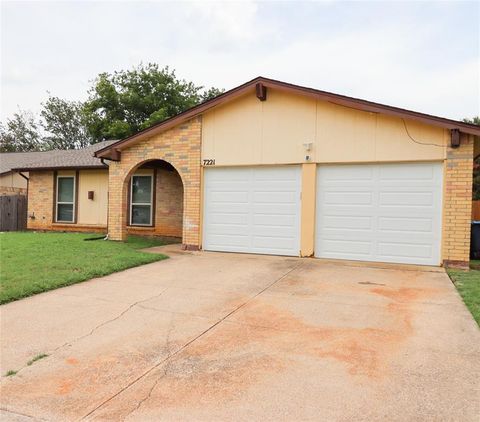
x=73, y=158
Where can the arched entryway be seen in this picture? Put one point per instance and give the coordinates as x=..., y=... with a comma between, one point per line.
x=155, y=200
x=178, y=150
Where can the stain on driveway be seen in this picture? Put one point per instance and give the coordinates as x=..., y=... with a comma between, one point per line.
x=211, y=336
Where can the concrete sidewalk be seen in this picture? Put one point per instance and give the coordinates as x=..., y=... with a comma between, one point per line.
x=212, y=336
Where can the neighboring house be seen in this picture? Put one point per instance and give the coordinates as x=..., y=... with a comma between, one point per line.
x=274, y=168
x=11, y=182
x=68, y=189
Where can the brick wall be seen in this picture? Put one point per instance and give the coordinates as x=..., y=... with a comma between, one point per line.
x=40, y=200
x=168, y=206
x=179, y=146
x=458, y=203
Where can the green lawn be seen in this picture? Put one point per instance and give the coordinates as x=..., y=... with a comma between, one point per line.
x=36, y=262
x=468, y=285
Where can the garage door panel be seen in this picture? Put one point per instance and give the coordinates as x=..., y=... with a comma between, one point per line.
x=401, y=223
x=238, y=197
x=268, y=218
x=332, y=247
x=406, y=199
x=228, y=242
x=396, y=172
x=228, y=229
x=277, y=245
x=230, y=218
x=348, y=198
x=347, y=222
x=405, y=250
x=275, y=209
x=273, y=220
x=406, y=224
x=226, y=208
x=358, y=173
x=272, y=197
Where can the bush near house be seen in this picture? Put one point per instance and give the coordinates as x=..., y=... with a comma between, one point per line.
x=33, y=262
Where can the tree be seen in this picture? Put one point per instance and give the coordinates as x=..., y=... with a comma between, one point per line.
x=125, y=102
x=474, y=120
x=20, y=134
x=65, y=124
x=476, y=164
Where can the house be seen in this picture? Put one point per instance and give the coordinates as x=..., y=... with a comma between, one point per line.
x=11, y=182
x=58, y=186
x=274, y=168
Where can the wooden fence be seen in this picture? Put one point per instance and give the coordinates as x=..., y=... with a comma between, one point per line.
x=476, y=210
x=13, y=213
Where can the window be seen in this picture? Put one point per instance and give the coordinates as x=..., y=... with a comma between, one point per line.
x=141, y=195
x=65, y=199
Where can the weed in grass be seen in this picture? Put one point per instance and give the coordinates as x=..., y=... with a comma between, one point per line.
x=38, y=357
x=10, y=373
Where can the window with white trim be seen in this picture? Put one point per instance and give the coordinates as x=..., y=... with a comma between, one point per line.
x=65, y=208
x=141, y=198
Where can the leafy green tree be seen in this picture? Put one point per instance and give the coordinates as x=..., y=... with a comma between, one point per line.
x=20, y=134
x=125, y=102
x=476, y=164
x=474, y=120
x=64, y=124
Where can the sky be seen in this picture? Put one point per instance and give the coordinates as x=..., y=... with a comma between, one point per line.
x=423, y=56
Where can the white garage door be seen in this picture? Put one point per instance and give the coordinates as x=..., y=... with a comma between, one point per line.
x=385, y=213
x=254, y=209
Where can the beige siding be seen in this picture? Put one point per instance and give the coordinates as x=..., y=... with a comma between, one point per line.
x=248, y=131
x=92, y=211
x=13, y=180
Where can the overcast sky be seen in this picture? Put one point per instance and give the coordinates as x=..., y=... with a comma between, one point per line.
x=418, y=55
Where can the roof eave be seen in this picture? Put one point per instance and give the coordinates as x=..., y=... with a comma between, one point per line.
x=50, y=168
x=338, y=99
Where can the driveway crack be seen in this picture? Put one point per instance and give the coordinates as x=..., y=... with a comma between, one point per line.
x=70, y=343
x=166, y=359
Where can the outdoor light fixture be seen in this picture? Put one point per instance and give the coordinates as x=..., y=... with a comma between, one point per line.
x=308, y=147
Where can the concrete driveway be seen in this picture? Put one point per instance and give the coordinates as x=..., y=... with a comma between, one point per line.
x=211, y=336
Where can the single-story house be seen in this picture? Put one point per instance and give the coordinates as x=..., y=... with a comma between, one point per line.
x=274, y=168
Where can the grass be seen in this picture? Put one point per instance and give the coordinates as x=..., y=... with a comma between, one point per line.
x=38, y=357
x=468, y=285
x=33, y=262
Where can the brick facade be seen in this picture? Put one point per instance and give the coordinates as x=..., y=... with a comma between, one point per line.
x=179, y=146
x=40, y=200
x=458, y=203
x=168, y=206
